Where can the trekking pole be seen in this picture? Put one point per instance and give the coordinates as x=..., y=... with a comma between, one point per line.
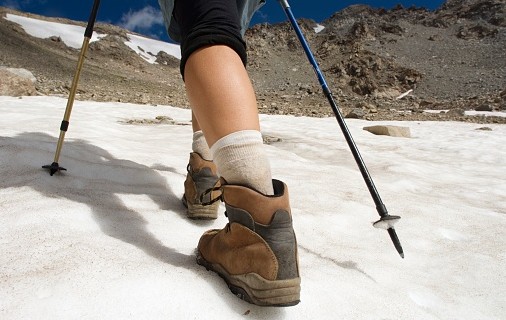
x=386, y=221
x=55, y=167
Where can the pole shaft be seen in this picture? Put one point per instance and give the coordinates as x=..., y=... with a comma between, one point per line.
x=380, y=207
x=91, y=21
x=70, y=101
x=73, y=89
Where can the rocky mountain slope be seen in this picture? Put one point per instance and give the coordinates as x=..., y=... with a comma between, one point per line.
x=451, y=59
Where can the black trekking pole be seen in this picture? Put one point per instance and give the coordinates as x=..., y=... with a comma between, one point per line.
x=386, y=221
x=55, y=167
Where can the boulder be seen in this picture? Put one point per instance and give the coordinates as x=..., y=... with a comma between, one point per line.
x=456, y=112
x=16, y=82
x=357, y=113
x=484, y=107
x=388, y=130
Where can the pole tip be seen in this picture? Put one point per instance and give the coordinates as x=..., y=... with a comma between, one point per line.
x=396, y=242
x=53, y=168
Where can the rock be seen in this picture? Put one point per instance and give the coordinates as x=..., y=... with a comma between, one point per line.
x=55, y=39
x=484, y=128
x=356, y=113
x=388, y=130
x=371, y=108
x=503, y=94
x=491, y=11
x=166, y=120
x=156, y=120
x=392, y=28
x=386, y=94
x=426, y=103
x=484, y=107
x=166, y=59
x=456, y=112
x=478, y=31
x=16, y=82
x=270, y=139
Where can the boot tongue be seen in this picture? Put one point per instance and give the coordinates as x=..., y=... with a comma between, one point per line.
x=240, y=216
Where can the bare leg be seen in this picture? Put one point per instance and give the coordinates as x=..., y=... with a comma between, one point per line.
x=220, y=92
x=224, y=104
x=195, y=124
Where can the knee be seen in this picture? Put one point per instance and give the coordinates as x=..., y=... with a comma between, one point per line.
x=209, y=36
x=205, y=23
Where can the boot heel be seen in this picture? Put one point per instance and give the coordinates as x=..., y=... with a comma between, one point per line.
x=255, y=289
x=263, y=292
x=201, y=212
x=201, y=177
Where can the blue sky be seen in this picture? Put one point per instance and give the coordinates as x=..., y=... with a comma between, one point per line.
x=143, y=16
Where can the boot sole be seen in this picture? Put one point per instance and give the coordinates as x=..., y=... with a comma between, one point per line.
x=200, y=212
x=255, y=289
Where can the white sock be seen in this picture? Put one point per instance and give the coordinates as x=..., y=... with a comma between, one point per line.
x=199, y=145
x=241, y=160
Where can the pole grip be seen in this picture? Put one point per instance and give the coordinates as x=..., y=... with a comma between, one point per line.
x=91, y=21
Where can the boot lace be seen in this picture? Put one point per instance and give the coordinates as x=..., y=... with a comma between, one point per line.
x=210, y=193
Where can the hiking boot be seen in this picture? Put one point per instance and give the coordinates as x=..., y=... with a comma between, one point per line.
x=258, y=261
x=201, y=177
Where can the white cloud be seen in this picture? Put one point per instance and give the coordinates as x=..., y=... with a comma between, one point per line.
x=141, y=20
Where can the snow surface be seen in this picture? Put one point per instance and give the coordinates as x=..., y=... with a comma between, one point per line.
x=108, y=239
x=474, y=113
x=318, y=28
x=73, y=37
x=148, y=48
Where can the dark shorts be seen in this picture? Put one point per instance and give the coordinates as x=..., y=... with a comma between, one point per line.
x=208, y=22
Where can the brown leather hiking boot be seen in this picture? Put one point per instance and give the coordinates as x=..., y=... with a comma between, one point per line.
x=202, y=176
x=258, y=261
